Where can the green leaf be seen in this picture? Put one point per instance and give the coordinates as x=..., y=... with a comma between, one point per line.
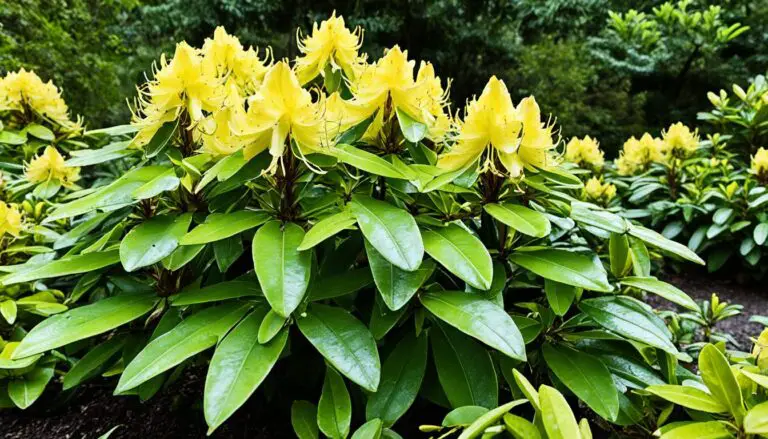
x=153, y=240
x=760, y=234
x=687, y=396
x=396, y=286
x=463, y=416
x=239, y=365
x=193, y=335
x=663, y=289
x=657, y=240
x=520, y=428
x=413, y=130
x=12, y=138
x=369, y=430
x=80, y=323
x=327, y=227
x=161, y=139
x=227, y=251
x=367, y=162
x=40, y=132
x=9, y=310
x=282, y=269
x=641, y=260
x=618, y=252
x=334, y=411
x=73, y=235
x=180, y=257
x=90, y=157
x=219, y=226
x=699, y=430
x=165, y=182
x=479, y=318
x=560, y=296
x=25, y=391
x=524, y=220
x=64, y=267
x=116, y=194
x=565, y=267
x=602, y=219
x=464, y=369
x=304, y=420
x=585, y=376
x=461, y=253
x=761, y=380
x=722, y=215
x=720, y=380
x=488, y=419
x=756, y=420
x=620, y=315
x=556, y=415
x=392, y=231
x=232, y=289
x=92, y=362
x=344, y=342
x=401, y=378
x=270, y=326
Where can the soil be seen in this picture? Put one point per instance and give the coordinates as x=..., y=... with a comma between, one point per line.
x=176, y=412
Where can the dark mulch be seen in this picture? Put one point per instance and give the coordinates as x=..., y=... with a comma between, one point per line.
x=177, y=411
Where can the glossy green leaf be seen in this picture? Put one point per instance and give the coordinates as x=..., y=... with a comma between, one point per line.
x=413, y=130
x=392, y=231
x=585, y=376
x=167, y=181
x=83, y=322
x=524, y=220
x=756, y=420
x=688, y=396
x=304, y=420
x=369, y=430
x=92, y=362
x=396, y=286
x=344, y=342
x=238, y=367
x=219, y=226
x=25, y=391
x=461, y=253
x=334, y=411
x=556, y=415
x=463, y=416
x=464, y=369
x=479, y=318
x=760, y=234
x=560, y=296
x=657, y=240
x=618, y=252
x=641, y=259
x=65, y=266
x=161, y=139
x=227, y=251
x=602, y=219
x=720, y=380
x=401, y=378
x=282, y=269
x=232, y=289
x=663, y=289
x=270, y=326
x=565, y=267
x=477, y=428
x=183, y=255
x=153, y=240
x=327, y=227
x=39, y=131
x=699, y=430
x=193, y=335
x=367, y=162
x=520, y=428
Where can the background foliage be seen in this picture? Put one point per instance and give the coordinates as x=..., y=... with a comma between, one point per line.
x=98, y=50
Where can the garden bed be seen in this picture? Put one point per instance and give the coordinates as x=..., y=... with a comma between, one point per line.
x=177, y=412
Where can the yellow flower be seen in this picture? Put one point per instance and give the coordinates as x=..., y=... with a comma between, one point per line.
x=330, y=43
x=25, y=90
x=680, y=141
x=760, y=162
x=281, y=107
x=599, y=191
x=181, y=84
x=516, y=136
x=215, y=133
x=50, y=167
x=10, y=220
x=224, y=57
x=584, y=151
x=636, y=154
x=389, y=84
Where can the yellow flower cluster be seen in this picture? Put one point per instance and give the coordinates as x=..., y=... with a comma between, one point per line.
x=584, y=152
x=637, y=155
x=678, y=141
x=760, y=164
x=516, y=136
x=598, y=191
x=330, y=43
x=10, y=220
x=50, y=166
x=25, y=91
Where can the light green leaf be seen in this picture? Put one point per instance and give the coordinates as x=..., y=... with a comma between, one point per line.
x=334, y=411
x=520, y=428
x=760, y=234
x=565, y=267
x=41, y=132
x=699, y=430
x=520, y=218
x=87, y=321
x=304, y=420
x=367, y=162
x=270, y=326
x=344, y=342
x=413, y=130
x=392, y=231
x=688, y=396
x=463, y=416
x=23, y=392
x=720, y=380
x=369, y=430
x=461, y=253
x=602, y=219
x=63, y=267
x=479, y=318
x=556, y=415
x=282, y=269
x=167, y=181
x=326, y=228
x=238, y=367
x=756, y=420
x=618, y=251
x=657, y=240
x=560, y=296
x=219, y=226
x=761, y=380
x=153, y=240
x=488, y=419
x=180, y=257
x=396, y=286
x=663, y=289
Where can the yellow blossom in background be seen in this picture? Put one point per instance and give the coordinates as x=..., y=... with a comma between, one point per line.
x=50, y=166
x=679, y=141
x=280, y=108
x=584, y=152
x=514, y=135
x=637, y=155
x=388, y=85
x=760, y=164
x=25, y=90
x=330, y=43
x=224, y=57
x=598, y=191
x=10, y=220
